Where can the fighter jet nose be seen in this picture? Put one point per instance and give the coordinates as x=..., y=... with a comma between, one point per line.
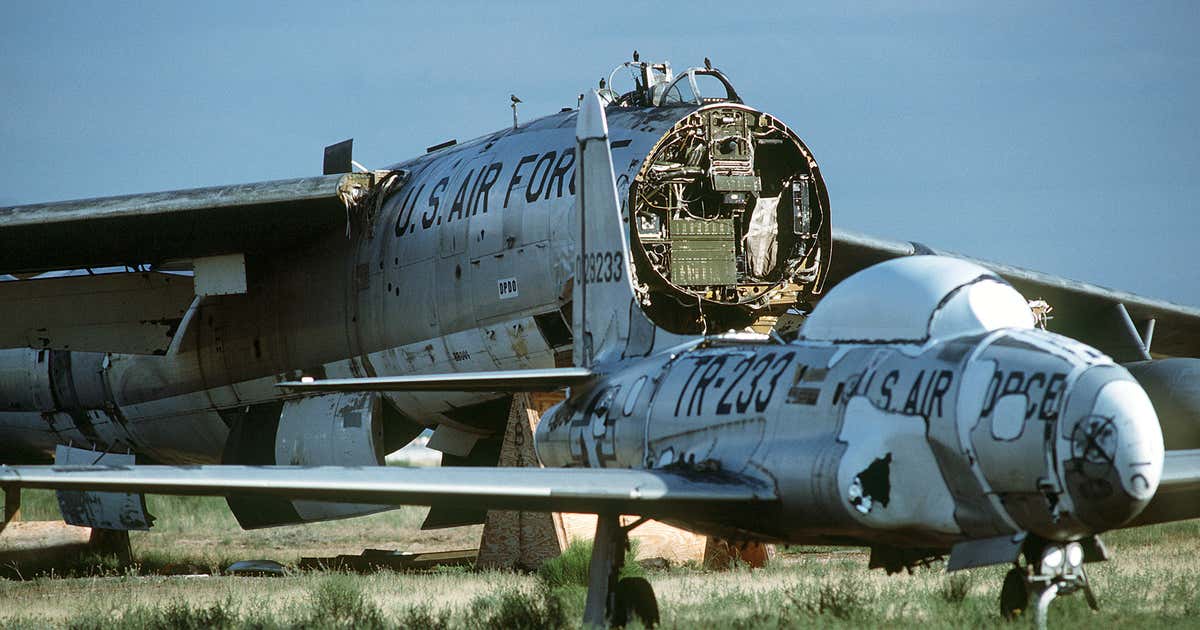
x=1110, y=448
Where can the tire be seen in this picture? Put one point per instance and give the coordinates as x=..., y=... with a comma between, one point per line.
x=635, y=598
x=1014, y=595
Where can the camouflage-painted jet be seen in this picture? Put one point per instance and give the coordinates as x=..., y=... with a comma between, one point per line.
x=920, y=410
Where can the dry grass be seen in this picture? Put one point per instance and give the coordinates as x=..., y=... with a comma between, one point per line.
x=1151, y=582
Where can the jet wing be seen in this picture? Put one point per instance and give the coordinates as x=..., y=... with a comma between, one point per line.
x=533, y=380
x=1119, y=323
x=1181, y=471
x=1178, y=496
x=654, y=493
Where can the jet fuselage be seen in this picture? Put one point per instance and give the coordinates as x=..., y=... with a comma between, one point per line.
x=952, y=418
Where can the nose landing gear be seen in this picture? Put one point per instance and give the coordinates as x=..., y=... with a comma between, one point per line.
x=610, y=598
x=1057, y=571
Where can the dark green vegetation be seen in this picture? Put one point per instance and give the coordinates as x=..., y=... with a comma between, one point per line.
x=1153, y=581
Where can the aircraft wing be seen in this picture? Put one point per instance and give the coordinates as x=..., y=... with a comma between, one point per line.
x=1178, y=496
x=654, y=493
x=209, y=231
x=531, y=380
x=1181, y=471
x=177, y=224
x=1120, y=324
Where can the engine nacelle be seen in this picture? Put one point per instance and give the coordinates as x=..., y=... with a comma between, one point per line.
x=338, y=429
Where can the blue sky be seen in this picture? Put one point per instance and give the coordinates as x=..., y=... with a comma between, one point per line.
x=1058, y=136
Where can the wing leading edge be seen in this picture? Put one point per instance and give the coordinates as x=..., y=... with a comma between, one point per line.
x=533, y=380
x=178, y=224
x=217, y=229
x=1178, y=496
x=654, y=493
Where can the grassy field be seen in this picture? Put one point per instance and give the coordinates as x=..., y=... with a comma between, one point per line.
x=1153, y=581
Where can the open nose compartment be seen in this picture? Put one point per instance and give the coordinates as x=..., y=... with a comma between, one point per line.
x=731, y=222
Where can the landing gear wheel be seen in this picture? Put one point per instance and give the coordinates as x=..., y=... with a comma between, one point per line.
x=1014, y=595
x=635, y=595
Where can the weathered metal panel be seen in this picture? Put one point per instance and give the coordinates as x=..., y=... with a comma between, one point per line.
x=331, y=430
x=452, y=285
x=132, y=313
x=25, y=380
x=106, y=510
x=220, y=275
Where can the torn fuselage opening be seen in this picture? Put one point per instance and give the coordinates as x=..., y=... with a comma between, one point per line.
x=872, y=485
x=731, y=221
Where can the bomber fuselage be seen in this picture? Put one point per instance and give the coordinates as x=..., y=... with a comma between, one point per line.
x=466, y=267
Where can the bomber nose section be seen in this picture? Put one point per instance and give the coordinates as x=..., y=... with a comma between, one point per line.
x=1110, y=448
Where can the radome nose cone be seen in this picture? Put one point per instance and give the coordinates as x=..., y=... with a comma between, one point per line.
x=1114, y=455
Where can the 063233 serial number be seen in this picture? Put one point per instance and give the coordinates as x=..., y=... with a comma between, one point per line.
x=726, y=384
x=603, y=267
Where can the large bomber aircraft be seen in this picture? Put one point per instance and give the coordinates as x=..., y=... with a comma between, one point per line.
x=922, y=408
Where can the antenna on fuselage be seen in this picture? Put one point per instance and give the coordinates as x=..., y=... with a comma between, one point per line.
x=515, y=100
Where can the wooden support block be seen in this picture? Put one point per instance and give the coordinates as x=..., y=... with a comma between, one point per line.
x=654, y=539
x=721, y=554
x=114, y=541
x=520, y=540
x=542, y=401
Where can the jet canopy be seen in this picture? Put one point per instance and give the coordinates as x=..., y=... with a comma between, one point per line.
x=915, y=299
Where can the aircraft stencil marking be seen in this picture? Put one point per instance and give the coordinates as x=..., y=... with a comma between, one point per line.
x=507, y=288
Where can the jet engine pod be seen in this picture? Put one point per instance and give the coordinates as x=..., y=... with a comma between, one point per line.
x=337, y=429
x=730, y=221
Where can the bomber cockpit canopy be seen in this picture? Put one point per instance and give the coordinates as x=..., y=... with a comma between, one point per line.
x=915, y=299
x=656, y=85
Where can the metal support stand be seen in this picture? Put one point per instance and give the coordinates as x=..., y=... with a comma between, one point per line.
x=12, y=506
x=611, y=600
x=608, y=555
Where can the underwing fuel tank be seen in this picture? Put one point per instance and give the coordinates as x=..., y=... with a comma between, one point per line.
x=920, y=403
